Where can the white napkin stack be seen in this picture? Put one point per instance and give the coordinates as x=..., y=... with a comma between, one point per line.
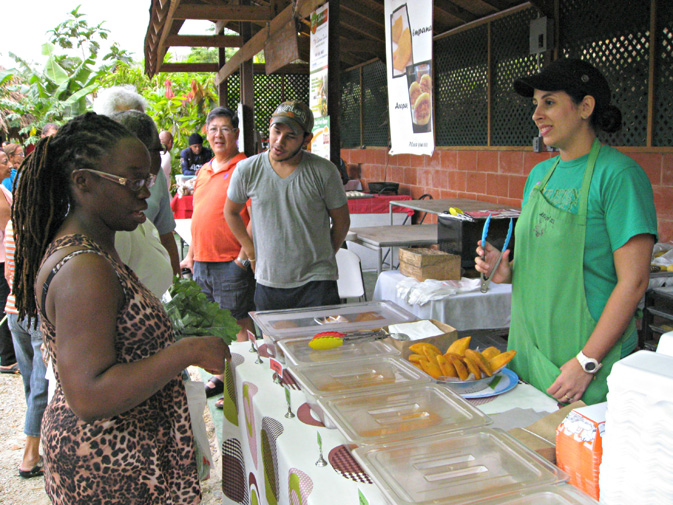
x=638, y=439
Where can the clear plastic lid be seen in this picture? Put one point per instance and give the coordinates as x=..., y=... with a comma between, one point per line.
x=455, y=467
x=282, y=324
x=563, y=494
x=414, y=411
x=339, y=378
x=298, y=352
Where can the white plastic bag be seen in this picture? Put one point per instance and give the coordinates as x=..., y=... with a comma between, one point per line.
x=196, y=399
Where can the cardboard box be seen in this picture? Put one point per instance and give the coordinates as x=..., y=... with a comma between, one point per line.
x=579, y=447
x=442, y=341
x=423, y=263
x=541, y=435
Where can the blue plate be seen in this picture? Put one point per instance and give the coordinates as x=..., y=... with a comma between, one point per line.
x=508, y=381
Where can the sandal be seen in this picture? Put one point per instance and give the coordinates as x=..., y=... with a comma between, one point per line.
x=219, y=404
x=217, y=387
x=13, y=369
x=36, y=471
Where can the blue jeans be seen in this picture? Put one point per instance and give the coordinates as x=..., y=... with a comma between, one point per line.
x=227, y=284
x=27, y=341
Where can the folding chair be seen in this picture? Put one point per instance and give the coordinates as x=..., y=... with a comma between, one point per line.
x=351, y=282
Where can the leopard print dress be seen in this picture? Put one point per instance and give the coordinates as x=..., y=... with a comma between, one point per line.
x=142, y=456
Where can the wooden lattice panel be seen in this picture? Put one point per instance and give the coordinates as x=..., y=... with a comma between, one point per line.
x=616, y=41
x=662, y=134
x=511, y=114
x=270, y=91
x=461, y=86
x=375, y=114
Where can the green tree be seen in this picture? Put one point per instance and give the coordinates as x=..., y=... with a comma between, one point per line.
x=59, y=91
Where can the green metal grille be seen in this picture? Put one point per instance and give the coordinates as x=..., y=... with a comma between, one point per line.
x=375, y=122
x=350, y=109
x=616, y=41
x=511, y=114
x=662, y=134
x=461, y=84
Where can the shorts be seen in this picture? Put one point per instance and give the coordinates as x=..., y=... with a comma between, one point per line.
x=311, y=294
x=227, y=284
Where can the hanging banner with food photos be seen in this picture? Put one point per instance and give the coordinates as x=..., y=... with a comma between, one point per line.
x=409, y=67
x=318, y=61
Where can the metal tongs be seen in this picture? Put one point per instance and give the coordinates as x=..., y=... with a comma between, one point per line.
x=486, y=281
x=367, y=335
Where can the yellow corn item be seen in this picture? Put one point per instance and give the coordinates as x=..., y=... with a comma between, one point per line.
x=445, y=365
x=490, y=352
x=459, y=364
x=480, y=361
x=431, y=368
x=459, y=346
x=501, y=360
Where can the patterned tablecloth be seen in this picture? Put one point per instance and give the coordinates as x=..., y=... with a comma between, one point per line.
x=271, y=458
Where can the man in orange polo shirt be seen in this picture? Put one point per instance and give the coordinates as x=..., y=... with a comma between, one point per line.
x=219, y=264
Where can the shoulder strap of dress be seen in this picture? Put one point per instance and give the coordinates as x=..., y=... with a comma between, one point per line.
x=54, y=271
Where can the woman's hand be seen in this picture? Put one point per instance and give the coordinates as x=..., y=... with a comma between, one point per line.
x=483, y=263
x=210, y=353
x=571, y=384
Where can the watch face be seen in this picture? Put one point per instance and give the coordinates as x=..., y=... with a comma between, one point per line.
x=590, y=367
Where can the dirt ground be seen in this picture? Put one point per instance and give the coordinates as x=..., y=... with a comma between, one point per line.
x=17, y=491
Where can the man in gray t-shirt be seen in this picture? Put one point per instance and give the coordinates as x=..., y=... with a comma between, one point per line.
x=293, y=194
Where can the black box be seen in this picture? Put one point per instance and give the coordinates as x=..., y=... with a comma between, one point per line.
x=456, y=236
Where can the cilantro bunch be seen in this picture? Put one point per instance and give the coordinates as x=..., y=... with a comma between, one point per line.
x=192, y=314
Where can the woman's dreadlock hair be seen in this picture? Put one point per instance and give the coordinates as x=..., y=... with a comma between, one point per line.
x=42, y=198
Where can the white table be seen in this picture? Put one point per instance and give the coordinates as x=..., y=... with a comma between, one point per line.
x=465, y=311
x=378, y=238
x=183, y=227
x=368, y=257
x=271, y=456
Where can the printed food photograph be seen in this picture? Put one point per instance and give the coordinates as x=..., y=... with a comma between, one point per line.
x=402, y=51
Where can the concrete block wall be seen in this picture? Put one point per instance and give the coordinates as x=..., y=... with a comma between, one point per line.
x=496, y=176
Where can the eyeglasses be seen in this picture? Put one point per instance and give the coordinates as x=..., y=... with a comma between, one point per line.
x=134, y=185
x=224, y=130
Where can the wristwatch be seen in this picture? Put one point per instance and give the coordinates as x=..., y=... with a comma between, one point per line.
x=589, y=365
x=245, y=262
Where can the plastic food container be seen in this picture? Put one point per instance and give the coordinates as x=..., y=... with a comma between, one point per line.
x=297, y=352
x=414, y=411
x=562, y=494
x=362, y=375
x=455, y=468
x=278, y=325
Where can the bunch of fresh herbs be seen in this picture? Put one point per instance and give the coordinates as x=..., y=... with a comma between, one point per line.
x=192, y=314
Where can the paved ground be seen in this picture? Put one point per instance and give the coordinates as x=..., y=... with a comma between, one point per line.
x=17, y=491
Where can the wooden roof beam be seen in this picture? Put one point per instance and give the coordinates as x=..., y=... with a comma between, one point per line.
x=450, y=8
x=204, y=41
x=365, y=27
x=223, y=12
x=259, y=68
x=302, y=9
x=359, y=9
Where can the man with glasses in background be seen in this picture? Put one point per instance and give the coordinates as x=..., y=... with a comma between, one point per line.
x=215, y=257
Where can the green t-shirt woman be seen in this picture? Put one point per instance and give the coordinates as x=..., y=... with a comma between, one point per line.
x=584, y=241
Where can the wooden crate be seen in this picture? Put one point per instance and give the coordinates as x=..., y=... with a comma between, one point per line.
x=423, y=263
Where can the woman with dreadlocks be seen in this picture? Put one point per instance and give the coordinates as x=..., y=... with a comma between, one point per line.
x=117, y=429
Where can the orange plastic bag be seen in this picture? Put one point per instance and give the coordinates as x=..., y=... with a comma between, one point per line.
x=579, y=446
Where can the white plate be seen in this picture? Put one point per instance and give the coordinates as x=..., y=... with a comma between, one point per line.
x=508, y=380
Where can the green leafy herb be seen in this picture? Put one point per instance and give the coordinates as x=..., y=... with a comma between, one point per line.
x=192, y=314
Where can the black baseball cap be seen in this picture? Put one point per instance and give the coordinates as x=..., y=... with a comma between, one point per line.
x=567, y=74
